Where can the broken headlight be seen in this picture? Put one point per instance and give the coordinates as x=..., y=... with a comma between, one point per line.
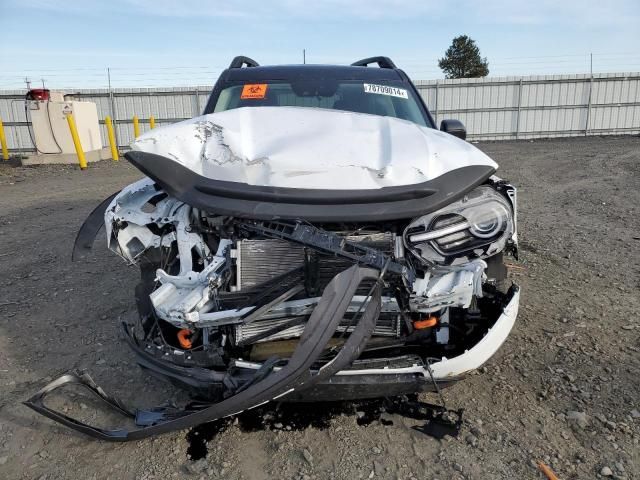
x=477, y=226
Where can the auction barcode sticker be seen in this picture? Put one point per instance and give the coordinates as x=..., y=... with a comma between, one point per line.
x=385, y=90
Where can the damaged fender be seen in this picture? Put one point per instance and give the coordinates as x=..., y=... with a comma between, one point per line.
x=90, y=228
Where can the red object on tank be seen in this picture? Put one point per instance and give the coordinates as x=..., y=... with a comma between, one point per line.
x=41, y=94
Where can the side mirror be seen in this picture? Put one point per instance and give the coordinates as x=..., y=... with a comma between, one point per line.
x=454, y=127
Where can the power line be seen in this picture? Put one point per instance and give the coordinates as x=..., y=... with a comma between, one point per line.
x=412, y=61
x=189, y=75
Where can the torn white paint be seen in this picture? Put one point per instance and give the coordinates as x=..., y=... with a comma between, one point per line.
x=299, y=147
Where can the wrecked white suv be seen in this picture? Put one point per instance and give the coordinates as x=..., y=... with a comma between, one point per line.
x=311, y=237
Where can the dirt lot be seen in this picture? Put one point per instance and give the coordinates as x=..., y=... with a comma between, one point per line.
x=565, y=388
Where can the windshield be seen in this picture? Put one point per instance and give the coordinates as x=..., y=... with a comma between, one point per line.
x=385, y=98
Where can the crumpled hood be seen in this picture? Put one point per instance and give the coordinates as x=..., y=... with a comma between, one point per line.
x=310, y=148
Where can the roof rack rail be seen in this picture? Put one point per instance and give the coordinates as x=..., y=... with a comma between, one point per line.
x=241, y=61
x=383, y=62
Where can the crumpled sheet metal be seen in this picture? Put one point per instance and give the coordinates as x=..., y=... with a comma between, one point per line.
x=310, y=148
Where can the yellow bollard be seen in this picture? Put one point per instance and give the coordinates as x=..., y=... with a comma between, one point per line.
x=136, y=127
x=76, y=141
x=3, y=142
x=112, y=138
x=152, y=122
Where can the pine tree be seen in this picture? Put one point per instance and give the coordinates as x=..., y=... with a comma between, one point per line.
x=462, y=60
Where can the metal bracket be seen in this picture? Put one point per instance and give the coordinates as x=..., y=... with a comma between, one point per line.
x=328, y=242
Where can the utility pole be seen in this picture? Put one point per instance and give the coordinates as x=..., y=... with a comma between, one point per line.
x=591, y=64
x=28, y=82
x=304, y=55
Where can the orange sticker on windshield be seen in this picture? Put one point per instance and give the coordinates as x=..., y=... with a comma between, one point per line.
x=254, y=91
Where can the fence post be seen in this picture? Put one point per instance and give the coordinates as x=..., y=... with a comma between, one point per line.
x=112, y=108
x=436, y=104
x=17, y=142
x=197, y=105
x=519, y=105
x=586, y=125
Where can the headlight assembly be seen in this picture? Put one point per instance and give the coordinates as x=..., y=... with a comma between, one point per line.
x=477, y=226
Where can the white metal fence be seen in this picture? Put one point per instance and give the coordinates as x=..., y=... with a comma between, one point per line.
x=490, y=108
x=539, y=106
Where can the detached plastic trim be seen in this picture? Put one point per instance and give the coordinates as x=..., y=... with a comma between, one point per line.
x=295, y=376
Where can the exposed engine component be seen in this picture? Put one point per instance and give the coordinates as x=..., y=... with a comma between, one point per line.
x=445, y=287
x=193, y=288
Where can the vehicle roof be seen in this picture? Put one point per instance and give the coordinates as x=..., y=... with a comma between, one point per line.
x=287, y=72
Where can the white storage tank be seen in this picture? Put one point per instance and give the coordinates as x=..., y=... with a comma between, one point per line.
x=48, y=112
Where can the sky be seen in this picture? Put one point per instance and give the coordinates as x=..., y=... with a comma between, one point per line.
x=71, y=43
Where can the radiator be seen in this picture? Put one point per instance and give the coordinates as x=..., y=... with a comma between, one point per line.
x=258, y=261
x=388, y=325
x=261, y=260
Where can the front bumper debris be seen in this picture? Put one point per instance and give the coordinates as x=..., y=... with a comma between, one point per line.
x=266, y=385
x=342, y=378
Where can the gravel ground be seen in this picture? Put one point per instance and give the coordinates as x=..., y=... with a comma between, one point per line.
x=564, y=389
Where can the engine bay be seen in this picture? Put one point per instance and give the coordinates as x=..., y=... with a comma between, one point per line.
x=217, y=290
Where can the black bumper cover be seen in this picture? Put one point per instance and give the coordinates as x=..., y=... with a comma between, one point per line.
x=314, y=205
